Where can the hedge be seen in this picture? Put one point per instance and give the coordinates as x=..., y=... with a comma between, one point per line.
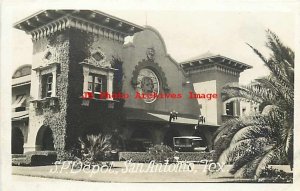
x=35, y=158
x=145, y=157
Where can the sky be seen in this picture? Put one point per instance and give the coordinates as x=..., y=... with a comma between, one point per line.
x=191, y=32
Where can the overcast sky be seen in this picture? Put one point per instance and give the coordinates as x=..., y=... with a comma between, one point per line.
x=188, y=33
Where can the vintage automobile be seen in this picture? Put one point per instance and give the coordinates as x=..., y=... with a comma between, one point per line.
x=190, y=144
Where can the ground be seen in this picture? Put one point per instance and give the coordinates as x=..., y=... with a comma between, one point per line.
x=139, y=172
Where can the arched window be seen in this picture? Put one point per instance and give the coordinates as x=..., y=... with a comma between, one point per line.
x=23, y=70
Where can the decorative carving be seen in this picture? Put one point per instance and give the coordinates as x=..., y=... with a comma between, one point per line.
x=97, y=58
x=150, y=53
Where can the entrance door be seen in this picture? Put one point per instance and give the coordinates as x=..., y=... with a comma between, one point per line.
x=17, y=141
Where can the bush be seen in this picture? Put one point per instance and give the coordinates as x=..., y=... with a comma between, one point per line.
x=275, y=175
x=145, y=157
x=93, y=149
x=194, y=156
x=160, y=153
x=35, y=158
x=140, y=157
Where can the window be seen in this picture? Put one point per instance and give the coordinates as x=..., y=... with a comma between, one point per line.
x=47, y=85
x=96, y=84
x=20, y=103
x=229, y=108
x=98, y=56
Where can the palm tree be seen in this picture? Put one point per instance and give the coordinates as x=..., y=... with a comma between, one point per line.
x=255, y=141
x=95, y=147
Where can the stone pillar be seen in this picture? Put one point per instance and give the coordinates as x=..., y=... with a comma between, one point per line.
x=39, y=86
x=110, y=78
x=235, y=108
x=85, y=78
x=224, y=108
x=53, y=93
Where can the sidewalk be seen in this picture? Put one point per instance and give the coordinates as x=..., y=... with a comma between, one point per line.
x=122, y=173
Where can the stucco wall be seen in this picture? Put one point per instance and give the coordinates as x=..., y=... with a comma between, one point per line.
x=209, y=107
x=221, y=79
x=134, y=53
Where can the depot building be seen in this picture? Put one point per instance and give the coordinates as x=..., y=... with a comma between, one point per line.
x=83, y=51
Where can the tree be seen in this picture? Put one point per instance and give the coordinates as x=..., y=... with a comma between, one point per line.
x=255, y=141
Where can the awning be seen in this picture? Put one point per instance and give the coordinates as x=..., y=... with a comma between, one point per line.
x=19, y=102
x=143, y=115
x=19, y=115
x=178, y=120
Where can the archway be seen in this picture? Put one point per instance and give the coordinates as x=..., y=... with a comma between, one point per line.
x=44, y=138
x=168, y=138
x=17, y=141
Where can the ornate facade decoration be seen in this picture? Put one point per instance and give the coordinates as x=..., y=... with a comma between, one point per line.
x=51, y=21
x=156, y=68
x=97, y=58
x=150, y=54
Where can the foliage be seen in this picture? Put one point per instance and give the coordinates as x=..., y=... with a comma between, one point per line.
x=275, y=175
x=146, y=157
x=139, y=157
x=34, y=158
x=93, y=149
x=160, y=153
x=95, y=146
x=254, y=141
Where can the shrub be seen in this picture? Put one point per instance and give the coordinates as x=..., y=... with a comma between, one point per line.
x=93, y=149
x=140, y=157
x=270, y=174
x=194, y=156
x=146, y=157
x=35, y=158
x=160, y=153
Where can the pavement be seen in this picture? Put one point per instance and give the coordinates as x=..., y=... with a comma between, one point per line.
x=125, y=172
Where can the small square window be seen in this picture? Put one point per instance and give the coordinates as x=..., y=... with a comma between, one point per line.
x=98, y=56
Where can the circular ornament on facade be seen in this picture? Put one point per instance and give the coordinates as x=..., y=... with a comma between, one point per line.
x=147, y=84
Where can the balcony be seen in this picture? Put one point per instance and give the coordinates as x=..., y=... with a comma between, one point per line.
x=45, y=103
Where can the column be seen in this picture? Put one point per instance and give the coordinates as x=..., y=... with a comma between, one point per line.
x=235, y=108
x=224, y=108
x=85, y=78
x=39, y=85
x=110, y=78
x=53, y=93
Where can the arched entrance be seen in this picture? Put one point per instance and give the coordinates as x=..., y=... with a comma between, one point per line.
x=17, y=141
x=141, y=140
x=44, y=139
x=168, y=138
